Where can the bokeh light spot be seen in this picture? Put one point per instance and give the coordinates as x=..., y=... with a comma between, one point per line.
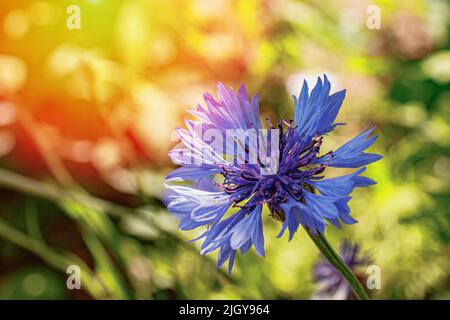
x=34, y=284
x=16, y=24
x=7, y=113
x=106, y=154
x=13, y=73
x=42, y=13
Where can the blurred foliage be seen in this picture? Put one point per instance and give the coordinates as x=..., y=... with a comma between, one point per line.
x=87, y=116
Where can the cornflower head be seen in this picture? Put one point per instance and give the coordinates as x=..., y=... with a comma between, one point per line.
x=331, y=285
x=280, y=166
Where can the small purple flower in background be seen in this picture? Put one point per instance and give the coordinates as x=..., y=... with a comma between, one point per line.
x=295, y=192
x=331, y=285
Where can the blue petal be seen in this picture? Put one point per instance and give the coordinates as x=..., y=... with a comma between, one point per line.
x=321, y=204
x=351, y=154
x=201, y=206
x=363, y=181
x=192, y=172
x=342, y=185
x=230, y=111
x=245, y=247
x=196, y=151
x=331, y=110
x=220, y=232
x=297, y=213
x=249, y=228
x=315, y=114
x=344, y=210
x=292, y=218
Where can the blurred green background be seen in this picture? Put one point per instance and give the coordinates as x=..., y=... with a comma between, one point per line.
x=87, y=117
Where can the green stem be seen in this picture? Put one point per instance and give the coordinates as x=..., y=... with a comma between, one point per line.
x=326, y=249
x=58, y=260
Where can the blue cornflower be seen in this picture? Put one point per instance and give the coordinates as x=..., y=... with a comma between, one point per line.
x=331, y=285
x=290, y=183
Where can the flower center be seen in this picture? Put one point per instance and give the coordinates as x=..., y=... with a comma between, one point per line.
x=250, y=187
